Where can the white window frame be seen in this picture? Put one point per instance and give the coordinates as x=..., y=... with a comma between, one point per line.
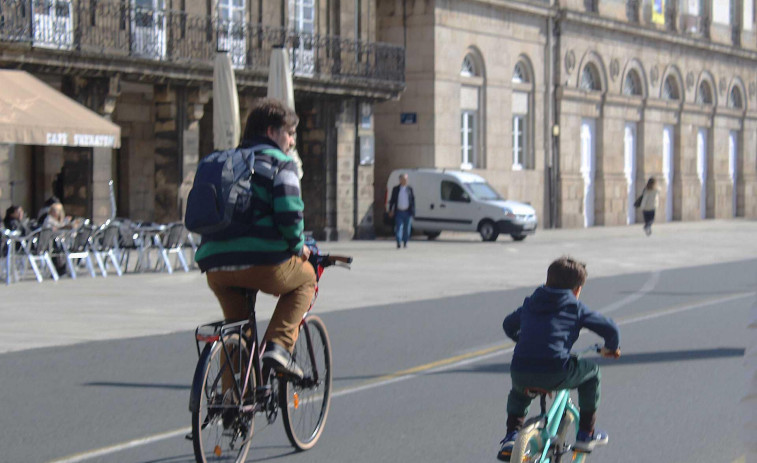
x=668, y=168
x=143, y=37
x=630, y=150
x=231, y=19
x=520, y=146
x=52, y=30
x=468, y=138
x=303, y=56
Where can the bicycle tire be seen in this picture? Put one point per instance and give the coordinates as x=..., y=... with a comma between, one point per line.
x=567, y=423
x=304, y=408
x=528, y=445
x=221, y=434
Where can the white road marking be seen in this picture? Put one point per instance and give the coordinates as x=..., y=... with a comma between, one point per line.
x=440, y=365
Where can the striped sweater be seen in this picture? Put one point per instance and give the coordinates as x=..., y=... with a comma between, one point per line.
x=275, y=231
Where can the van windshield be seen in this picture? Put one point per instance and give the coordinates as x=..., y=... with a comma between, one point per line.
x=483, y=191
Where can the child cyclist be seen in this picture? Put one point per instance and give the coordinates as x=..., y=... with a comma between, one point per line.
x=544, y=329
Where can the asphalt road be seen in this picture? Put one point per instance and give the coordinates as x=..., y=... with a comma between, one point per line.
x=422, y=381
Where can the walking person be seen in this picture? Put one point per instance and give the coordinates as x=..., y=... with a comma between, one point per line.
x=650, y=200
x=402, y=208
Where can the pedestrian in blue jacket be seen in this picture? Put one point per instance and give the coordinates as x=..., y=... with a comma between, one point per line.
x=544, y=329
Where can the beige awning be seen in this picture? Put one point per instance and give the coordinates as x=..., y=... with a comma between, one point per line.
x=33, y=113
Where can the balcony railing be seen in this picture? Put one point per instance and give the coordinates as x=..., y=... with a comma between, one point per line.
x=113, y=28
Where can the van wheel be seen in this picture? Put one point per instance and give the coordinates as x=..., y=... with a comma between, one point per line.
x=432, y=235
x=488, y=230
x=518, y=237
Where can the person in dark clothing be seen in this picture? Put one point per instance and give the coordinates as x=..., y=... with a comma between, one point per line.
x=544, y=329
x=16, y=221
x=402, y=208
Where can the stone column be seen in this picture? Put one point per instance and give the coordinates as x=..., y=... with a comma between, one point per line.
x=725, y=121
x=167, y=154
x=611, y=181
x=748, y=193
x=345, y=171
x=693, y=117
x=190, y=152
x=101, y=174
x=6, y=155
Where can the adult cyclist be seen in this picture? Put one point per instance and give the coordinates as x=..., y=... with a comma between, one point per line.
x=271, y=255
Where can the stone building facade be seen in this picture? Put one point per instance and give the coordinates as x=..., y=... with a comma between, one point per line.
x=147, y=65
x=571, y=105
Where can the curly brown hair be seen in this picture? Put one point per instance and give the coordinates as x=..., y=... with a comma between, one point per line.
x=268, y=112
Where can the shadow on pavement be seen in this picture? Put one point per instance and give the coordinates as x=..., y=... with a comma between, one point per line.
x=625, y=359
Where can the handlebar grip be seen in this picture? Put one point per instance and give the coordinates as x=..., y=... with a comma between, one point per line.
x=345, y=259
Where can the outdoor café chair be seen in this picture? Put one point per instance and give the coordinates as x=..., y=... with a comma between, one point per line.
x=172, y=242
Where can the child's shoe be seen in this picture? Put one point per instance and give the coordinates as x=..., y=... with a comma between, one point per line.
x=586, y=442
x=507, y=446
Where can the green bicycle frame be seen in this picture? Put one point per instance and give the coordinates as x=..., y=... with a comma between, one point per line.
x=562, y=404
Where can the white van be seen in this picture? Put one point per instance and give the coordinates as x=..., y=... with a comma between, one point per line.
x=462, y=201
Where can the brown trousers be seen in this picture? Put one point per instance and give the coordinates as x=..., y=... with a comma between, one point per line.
x=293, y=280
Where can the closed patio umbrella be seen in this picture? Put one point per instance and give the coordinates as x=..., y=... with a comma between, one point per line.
x=226, y=124
x=280, y=87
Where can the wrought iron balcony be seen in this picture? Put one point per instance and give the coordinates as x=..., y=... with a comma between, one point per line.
x=116, y=29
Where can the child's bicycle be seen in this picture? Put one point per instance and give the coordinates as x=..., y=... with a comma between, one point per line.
x=546, y=438
x=230, y=367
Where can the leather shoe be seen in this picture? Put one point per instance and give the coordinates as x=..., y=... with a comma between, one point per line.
x=280, y=360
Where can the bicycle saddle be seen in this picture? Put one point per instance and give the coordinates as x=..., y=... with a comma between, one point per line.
x=537, y=391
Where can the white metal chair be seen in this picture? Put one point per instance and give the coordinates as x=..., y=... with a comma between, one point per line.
x=172, y=242
x=37, y=248
x=77, y=247
x=105, y=247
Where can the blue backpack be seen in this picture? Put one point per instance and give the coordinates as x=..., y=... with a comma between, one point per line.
x=220, y=202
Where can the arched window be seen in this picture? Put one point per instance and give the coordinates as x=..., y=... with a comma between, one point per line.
x=704, y=93
x=670, y=89
x=632, y=84
x=468, y=68
x=522, y=117
x=471, y=111
x=590, y=78
x=520, y=74
x=734, y=98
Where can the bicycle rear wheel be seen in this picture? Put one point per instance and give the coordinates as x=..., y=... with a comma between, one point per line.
x=220, y=431
x=528, y=445
x=305, y=404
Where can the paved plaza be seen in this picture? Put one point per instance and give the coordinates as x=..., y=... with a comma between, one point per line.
x=86, y=309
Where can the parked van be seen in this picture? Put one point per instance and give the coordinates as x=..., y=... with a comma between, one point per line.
x=462, y=201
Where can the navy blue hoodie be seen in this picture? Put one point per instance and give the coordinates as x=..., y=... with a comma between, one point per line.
x=546, y=326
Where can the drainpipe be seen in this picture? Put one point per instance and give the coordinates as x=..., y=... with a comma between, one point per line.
x=550, y=152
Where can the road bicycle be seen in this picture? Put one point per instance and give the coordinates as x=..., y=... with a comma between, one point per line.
x=231, y=386
x=546, y=438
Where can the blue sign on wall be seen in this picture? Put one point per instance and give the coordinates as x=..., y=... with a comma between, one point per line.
x=408, y=118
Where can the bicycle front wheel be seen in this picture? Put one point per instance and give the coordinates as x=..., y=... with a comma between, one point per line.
x=221, y=432
x=528, y=445
x=305, y=404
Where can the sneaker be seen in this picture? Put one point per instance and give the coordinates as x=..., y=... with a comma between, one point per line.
x=506, y=448
x=277, y=358
x=586, y=442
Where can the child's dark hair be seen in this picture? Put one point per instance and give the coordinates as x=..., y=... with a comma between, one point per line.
x=566, y=273
x=268, y=112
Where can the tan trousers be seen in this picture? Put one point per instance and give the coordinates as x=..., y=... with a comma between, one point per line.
x=293, y=280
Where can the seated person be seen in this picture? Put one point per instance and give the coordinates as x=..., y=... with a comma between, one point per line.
x=42, y=215
x=16, y=221
x=56, y=218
